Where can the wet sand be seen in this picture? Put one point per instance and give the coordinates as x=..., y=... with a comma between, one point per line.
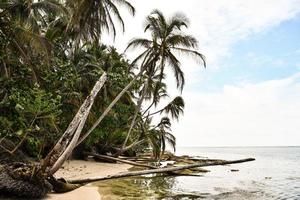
x=77, y=169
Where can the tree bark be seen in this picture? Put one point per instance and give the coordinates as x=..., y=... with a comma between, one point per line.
x=63, y=148
x=138, y=107
x=161, y=170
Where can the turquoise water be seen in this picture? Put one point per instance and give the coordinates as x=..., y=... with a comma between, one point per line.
x=274, y=175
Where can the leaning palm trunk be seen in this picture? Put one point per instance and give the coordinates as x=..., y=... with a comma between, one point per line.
x=111, y=105
x=64, y=147
x=144, y=64
x=124, y=149
x=138, y=107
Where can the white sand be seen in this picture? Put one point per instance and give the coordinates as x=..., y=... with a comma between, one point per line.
x=82, y=193
x=76, y=169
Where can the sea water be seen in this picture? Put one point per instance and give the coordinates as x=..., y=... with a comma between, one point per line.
x=275, y=174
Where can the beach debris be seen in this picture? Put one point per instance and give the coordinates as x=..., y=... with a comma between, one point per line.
x=186, y=172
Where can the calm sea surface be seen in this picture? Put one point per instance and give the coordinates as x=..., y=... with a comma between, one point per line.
x=274, y=175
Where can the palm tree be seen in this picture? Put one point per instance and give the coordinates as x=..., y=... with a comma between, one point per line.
x=22, y=23
x=167, y=39
x=162, y=137
x=157, y=137
x=174, y=108
x=32, y=13
x=90, y=18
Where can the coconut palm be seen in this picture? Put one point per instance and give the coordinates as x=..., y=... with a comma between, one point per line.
x=22, y=23
x=162, y=137
x=156, y=137
x=90, y=18
x=31, y=13
x=174, y=108
x=167, y=40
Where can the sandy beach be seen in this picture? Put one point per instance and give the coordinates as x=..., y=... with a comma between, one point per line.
x=75, y=169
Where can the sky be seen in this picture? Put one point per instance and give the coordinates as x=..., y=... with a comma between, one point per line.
x=249, y=94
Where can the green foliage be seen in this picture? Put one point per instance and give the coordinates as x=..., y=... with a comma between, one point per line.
x=33, y=146
x=45, y=75
x=33, y=113
x=51, y=57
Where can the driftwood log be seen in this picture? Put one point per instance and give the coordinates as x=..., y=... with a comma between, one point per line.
x=114, y=159
x=160, y=170
x=109, y=158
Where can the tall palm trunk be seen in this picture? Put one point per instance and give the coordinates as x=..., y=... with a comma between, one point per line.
x=5, y=68
x=138, y=107
x=84, y=136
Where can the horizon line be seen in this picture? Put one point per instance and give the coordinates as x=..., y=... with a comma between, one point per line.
x=240, y=146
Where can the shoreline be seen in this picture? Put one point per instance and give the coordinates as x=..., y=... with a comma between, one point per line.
x=80, y=171
x=85, y=169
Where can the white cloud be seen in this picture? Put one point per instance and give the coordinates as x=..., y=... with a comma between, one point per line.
x=265, y=113
x=217, y=25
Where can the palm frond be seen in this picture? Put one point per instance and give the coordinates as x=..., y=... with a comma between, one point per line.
x=195, y=54
x=175, y=107
x=90, y=18
x=178, y=73
x=139, y=43
x=177, y=21
x=186, y=41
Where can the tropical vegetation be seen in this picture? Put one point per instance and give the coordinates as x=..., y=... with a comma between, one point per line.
x=51, y=56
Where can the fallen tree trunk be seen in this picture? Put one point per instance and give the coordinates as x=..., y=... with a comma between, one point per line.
x=160, y=170
x=109, y=158
x=61, y=186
